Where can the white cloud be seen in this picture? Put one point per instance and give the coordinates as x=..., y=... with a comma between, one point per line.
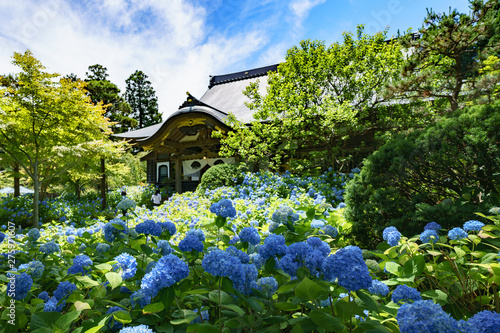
x=301, y=8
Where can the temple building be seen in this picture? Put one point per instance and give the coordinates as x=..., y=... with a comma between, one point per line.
x=181, y=148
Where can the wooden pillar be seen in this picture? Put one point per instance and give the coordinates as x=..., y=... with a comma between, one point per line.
x=178, y=174
x=103, y=184
x=17, y=185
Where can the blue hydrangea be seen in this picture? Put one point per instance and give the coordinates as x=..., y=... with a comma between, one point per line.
x=64, y=289
x=495, y=210
x=316, y=224
x=53, y=305
x=102, y=248
x=49, y=248
x=424, y=317
x=137, y=329
x=191, y=243
x=250, y=235
x=149, y=227
x=150, y=266
x=329, y=230
x=348, y=268
x=242, y=276
x=429, y=236
x=19, y=285
x=198, y=233
x=81, y=264
x=235, y=239
x=168, y=226
x=2, y=237
x=163, y=247
x=266, y=285
x=126, y=204
x=379, y=288
x=113, y=324
x=168, y=271
x=204, y=315
x=223, y=208
x=295, y=257
x=34, y=234
x=257, y=260
x=141, y=297
x=219, y=263
x=317, y=244
x=484, y=322
x=44, y=296
x=70, y=239
x=128, y=264
x=34, y=268
x=82, y=247
x=457, y=233
x=284, y=214
x=274, y=245
x=405, y=294
x=432, y=226
x=473, y=225
x=242, y=256
x=110, y=232
x=391, y=235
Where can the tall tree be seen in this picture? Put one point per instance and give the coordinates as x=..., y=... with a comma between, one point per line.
x=100, y=89
x=316, y=99
x=47, y=125
x=142, y=98
x=444, y=61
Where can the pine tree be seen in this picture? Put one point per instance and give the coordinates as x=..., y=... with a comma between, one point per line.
x=142, y=98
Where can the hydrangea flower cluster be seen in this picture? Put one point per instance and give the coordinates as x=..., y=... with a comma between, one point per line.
x=242, y=256
x=483, y=322
x=126, y=204
x=168, y=226
x=168, y=271
x=242, y=276
x=64, y=289
x=137, y=329
x=405, y=294
x=250, y=235
x=379, y=288
x=432, y=226
x=81, y=264
x=34, y=268
x=102, y=248
x=391, y=235
x=19, y=285
x=429, y=236
x=266, y=285
x=316, y=224
x=128, y=264
x=149, y=227
x=198, y=233
x=191, y=243
x=49, y=248
x=425, y=316
x=204, y=315
x=113, y=324
x=110, y=232
x=219, y=263
x=348, y=268
x=34, y=234
x=284, y=214
x=274, y=245
x=457, y=233
x=473, y=225
x=223, y=208
x=163, y=247
x=329, y=230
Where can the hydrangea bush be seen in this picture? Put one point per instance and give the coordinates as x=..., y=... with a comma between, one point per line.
x=243, y=259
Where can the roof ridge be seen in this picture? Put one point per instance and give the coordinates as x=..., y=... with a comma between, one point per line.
x=250, y=73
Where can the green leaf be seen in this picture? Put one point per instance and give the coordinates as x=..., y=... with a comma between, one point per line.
x=311, y=212
x=153, y=308
x=274, y=320
x=437, y=295
x=347, y=310
x=297, y=329
x=285, y=306
x=327, y=321
x=104, y=267
x=65, y=321
x=82, y=305
x=41, y=320
x=225, y=298
x=167, y=296
x=309, y=290
x=235, y=308
x=188, y=318
x=414, y=266
x=368, y=300
x=87, y=281
x=115, y=279
x=202, y=328
x=95, y=329
x=393, y=268
x=118, y=226
x=146, y=249
x=122, y=316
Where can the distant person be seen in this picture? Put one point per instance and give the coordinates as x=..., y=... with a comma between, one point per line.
x=156, y=198
x=124, y=194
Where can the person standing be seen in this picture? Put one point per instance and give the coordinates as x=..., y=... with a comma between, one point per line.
x=156, y=198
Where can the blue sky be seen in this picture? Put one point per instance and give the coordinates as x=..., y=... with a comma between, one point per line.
x=179, y=43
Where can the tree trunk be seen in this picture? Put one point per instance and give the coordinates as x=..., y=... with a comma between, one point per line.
x=36, y=197
x=17, y=185
x=103, y=184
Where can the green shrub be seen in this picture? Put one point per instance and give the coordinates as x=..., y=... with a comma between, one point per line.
x=220, y=175
x=444, y=173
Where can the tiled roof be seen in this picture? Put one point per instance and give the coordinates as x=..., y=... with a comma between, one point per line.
x=244, y=75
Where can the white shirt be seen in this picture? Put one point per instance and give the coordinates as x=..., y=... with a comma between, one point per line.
x=156, y=198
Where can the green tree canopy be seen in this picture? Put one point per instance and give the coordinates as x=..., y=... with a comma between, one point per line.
x=102, y=90
x=142, y=98
x=444, y=60
x=315, y=101
x=47, y=125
